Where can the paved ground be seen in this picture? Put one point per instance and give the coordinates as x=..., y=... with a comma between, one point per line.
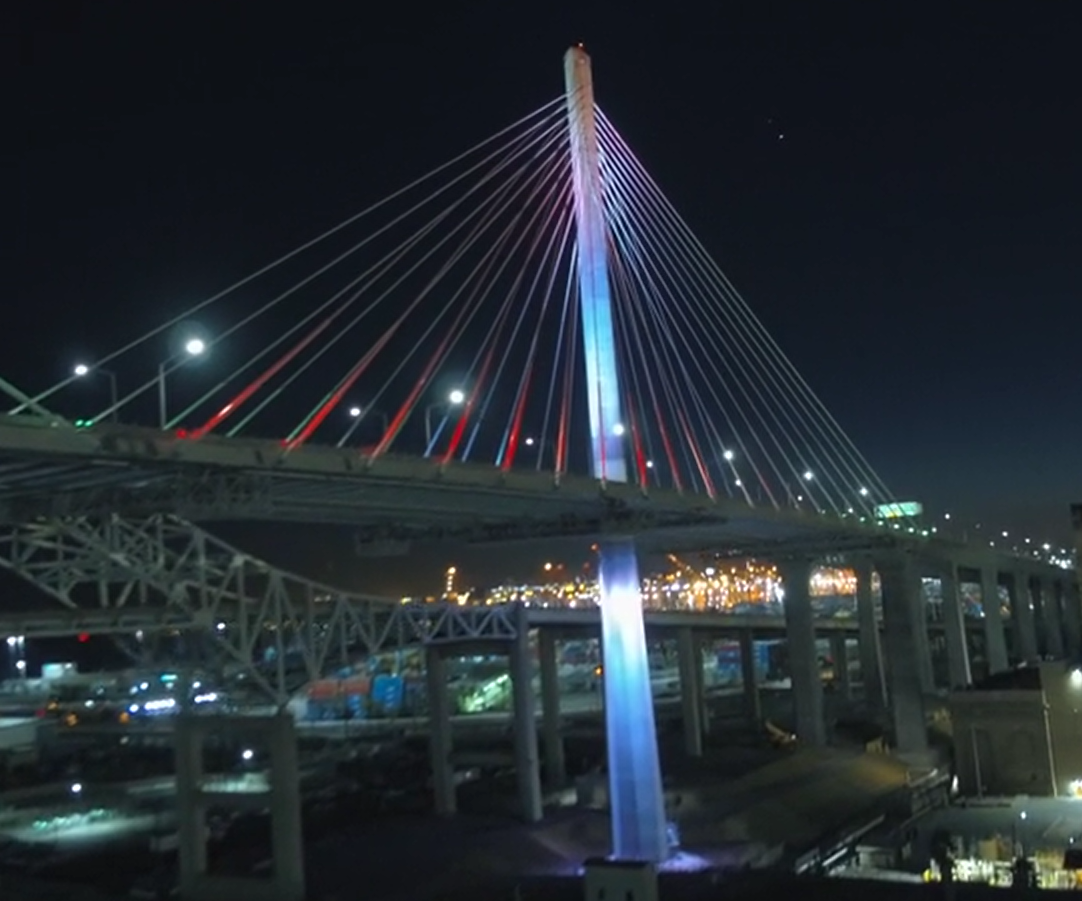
x=795, y=799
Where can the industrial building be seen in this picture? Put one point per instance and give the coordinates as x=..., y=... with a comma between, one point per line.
x=1019, y=732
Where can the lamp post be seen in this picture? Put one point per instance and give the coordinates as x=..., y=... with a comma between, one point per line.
x=359, y=412
x=456, y=398
x=82, y=370
x=193, y=347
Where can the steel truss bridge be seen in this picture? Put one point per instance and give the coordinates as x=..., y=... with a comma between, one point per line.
x=165, y=576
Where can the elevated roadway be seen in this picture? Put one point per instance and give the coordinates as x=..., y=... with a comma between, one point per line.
x=50, y=469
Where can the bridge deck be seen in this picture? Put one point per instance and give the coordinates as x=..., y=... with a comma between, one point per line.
x=50, y=469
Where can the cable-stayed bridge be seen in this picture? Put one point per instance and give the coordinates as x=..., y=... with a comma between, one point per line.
x=526, y=342
x=443, y=324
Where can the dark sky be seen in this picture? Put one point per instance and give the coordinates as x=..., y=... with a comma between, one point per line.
x=912, y=242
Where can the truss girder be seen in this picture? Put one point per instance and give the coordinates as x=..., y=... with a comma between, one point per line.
x=266, y=621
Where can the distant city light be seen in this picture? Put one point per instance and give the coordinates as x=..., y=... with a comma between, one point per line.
x=195, y=346
x=529, y=442
x=76, y=788
x=738, y=483
x=946, y=516
x=457, y=396
x=355, y=412
x=220, y=627
x=863, y=492
x=728, y=454
x=808, y=475
x=618, y=429
x=80, y=370
x=247, y=754
x=1004, y=534
x=649, y=464
x=548, y=567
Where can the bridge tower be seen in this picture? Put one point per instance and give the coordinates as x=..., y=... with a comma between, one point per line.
x=636, y=800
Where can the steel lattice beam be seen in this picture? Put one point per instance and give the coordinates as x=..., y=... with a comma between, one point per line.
x=274, y=623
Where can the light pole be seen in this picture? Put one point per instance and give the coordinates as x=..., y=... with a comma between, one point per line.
x=82, y=370
x=539, y=449
x=193, y=347
x=17, y=651
x=359, y=412
x=456, y=398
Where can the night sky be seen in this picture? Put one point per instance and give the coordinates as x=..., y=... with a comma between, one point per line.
x=897, y=194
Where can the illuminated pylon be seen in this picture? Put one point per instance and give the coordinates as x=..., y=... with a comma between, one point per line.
x=635, y=796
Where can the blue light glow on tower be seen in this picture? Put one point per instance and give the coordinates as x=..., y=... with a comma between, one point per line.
x=598, y=334
x=635, y=795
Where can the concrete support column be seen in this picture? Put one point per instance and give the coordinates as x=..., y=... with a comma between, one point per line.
x=753, y=702
x=923, y=640
x=287, y=844
x=191, y=814
x=527, y=763
x=555, y=763
x=440, y=742
x=994, y=639
x=1022, y=615
x=803, y=655
x=703, y=645
x=277, y=736
x=839, y=650
x=1053, y=621
x=954, y=626
x=902, y=611
x=868, y=645
x=1072, y=616
x=690, y=663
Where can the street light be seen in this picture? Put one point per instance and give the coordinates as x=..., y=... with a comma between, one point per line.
x=247, y=754
x=193, y=347
x=808, y=475
x=455, y=398
x=728, y=454
x=358, y=412
x=82, y=370
x=77, y=788
x=618, y=430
